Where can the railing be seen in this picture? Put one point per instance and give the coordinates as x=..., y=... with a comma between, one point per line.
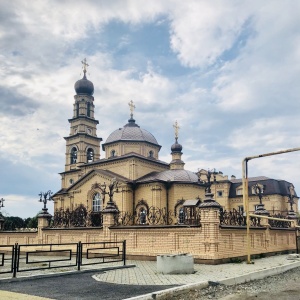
x=233, y=218
x=80, y=217
x=158, y=216
x=236, y=218
x=23, y=258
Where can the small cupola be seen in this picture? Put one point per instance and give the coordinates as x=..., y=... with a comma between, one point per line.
x=176, y=152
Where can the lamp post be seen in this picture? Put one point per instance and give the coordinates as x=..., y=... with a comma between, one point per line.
x=209, y=201
x=291, y=196
x=113, y=187
x=44, y=198
x=260, y=209
x=208, y=174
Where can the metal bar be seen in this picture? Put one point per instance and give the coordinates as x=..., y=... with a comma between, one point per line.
x=273, y=153
x=124, y=252
x=271, y=218
x=79, y=255
x=296, y=236
x=15, y=259
x=245, y=190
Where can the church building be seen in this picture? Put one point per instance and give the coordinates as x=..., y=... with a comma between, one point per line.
x=147, y=190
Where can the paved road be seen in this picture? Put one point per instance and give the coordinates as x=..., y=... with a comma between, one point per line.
x=77, y=286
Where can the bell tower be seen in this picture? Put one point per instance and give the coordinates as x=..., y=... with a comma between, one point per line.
x=82, y=144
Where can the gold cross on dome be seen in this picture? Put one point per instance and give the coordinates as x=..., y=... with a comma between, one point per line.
x=84, y=65
x=176, y=128
x=132, y=107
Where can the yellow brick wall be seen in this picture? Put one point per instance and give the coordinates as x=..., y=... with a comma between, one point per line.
x=208, y=242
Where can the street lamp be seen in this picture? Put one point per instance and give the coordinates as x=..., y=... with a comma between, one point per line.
x=45, y=197
x=208, y=174
x=291, y=196
x=1, y=203
x=260, y=209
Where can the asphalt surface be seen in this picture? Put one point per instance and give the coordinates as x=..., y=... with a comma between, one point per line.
x=77, y=286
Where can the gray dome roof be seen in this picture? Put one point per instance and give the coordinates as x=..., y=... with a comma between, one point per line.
x=131, y=132
x=84, y=86
x=171, y=175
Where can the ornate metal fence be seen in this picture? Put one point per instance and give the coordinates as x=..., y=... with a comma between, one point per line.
x=157, y=216
x=279, y=224
x=236, y=218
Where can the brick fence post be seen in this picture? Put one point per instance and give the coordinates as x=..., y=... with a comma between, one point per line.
x=210, y=221
x=109, y=213
x=43, y=222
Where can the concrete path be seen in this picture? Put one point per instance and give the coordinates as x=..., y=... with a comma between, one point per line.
x=145, y=272
x=145, y=275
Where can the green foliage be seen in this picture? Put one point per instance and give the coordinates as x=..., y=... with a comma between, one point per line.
x=32, y=222
x=12, y=223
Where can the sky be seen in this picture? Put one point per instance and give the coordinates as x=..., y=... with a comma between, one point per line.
x=228, y=71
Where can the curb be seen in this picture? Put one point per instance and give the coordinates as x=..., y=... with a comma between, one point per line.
x=65, y=273
x=168, y=293
x=172, y=291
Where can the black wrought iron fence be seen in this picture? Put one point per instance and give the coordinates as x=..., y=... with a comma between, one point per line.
x=158, y=216
x=236, y=218
x=24, y=258
x=79, y=217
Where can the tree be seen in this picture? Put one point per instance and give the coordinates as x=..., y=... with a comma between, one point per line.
x=31, y=222
x=12, y=223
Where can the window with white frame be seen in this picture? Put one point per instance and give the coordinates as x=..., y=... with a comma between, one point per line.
x=97, y=202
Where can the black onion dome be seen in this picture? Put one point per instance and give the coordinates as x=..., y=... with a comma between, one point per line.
x=84, y=86
x=176, y=147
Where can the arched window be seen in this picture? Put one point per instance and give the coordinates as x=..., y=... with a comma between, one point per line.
x=97, y=202
x=112, y=153
x=90, y=155
x=77, y=109
x=73, y=155
x=88, y=109
x=151, y=153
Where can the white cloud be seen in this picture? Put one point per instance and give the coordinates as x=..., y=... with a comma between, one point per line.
x=203, y=30
x=236, y=93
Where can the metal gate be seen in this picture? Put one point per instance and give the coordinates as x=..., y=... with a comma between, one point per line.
x=23, y=258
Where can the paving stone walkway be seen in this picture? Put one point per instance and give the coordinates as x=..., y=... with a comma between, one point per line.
x=145, y=272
